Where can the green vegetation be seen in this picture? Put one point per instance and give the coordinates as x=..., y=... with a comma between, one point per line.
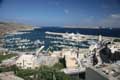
x=25, y=73
x=60, y=65
x=116, y=40
x=3, y=57
x=50, y=73
x=42, y=73
x=19, y=72
x=7, y=69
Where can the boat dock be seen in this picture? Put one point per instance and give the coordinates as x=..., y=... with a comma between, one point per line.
x=54, y=33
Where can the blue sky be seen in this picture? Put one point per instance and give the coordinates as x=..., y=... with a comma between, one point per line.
x=80, y=13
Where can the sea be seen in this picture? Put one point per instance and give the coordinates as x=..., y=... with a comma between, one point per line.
x=39, y=34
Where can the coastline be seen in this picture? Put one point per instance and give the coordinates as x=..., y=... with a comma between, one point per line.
x=7, y=28
x=26, y=30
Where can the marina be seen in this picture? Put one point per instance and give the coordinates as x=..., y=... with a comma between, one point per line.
x=54, y=40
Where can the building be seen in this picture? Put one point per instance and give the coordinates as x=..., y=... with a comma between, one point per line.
x=32, y=61
x=109, y=72
x=29, y=61
x=70, y=57
x=26, y=61
x=47, y=60
x=71, y=62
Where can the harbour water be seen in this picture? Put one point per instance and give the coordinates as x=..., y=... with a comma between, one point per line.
x=33, y=39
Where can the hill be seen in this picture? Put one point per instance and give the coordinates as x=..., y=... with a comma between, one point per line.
x=6, y=27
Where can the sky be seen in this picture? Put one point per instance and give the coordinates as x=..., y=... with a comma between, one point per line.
x=72, y=13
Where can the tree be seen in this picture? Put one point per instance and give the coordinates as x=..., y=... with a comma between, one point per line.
x=50, y=73
x=25, y=72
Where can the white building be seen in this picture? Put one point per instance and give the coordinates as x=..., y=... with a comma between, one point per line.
x=28, y=61
x=71, y=62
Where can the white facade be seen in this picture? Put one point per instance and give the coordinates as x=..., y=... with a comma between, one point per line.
x=26, y=61
x=71, y=62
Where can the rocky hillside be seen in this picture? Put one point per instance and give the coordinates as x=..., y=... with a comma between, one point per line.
x=6, y=27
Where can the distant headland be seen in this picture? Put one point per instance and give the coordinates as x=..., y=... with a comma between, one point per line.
x=8, y=27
